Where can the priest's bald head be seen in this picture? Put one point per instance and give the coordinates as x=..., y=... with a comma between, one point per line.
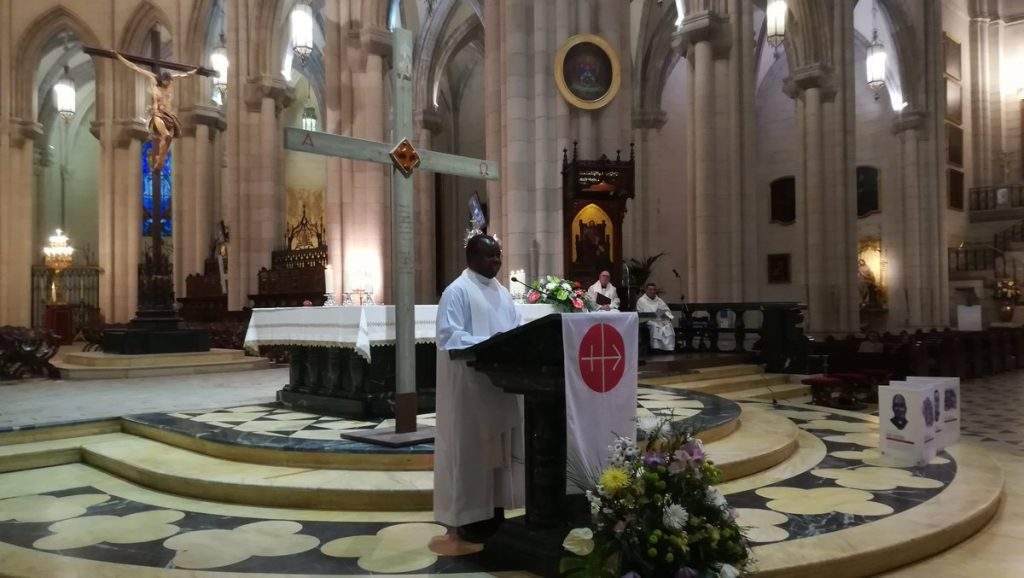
x=483, y=255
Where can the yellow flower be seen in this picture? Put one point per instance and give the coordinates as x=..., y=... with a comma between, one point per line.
x=614, y=480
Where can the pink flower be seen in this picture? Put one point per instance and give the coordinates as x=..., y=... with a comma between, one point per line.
x=577, y=303
x=533, y=297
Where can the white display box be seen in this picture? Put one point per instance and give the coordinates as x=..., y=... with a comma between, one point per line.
x=907, y=420
x=949, y=422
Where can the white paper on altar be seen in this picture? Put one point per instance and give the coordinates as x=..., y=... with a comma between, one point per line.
x=907, y=421
x=600, y=357
x=948, y=425
x=358, y=328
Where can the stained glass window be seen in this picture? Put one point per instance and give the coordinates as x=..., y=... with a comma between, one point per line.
x=147, y=192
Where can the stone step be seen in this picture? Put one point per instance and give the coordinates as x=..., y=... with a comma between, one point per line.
x=155, y=365
x=50, y=452
x=778, y=392
x=177, y=471
x=724, y=385
x=703, y=374
x=763, y=440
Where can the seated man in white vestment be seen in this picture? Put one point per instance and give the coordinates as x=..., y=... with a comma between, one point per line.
x=609, y=295
x=663, y=334
x=478, y=455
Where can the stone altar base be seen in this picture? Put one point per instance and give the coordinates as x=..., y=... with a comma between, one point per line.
x=101, y=365
x=139, y=340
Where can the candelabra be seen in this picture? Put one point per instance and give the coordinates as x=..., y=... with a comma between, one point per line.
x=57, y=257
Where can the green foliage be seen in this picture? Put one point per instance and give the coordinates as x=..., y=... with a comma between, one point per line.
x=640, y=269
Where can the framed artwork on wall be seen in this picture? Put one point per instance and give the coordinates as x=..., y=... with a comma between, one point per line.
x=951, y=54
x=867, y=191
x=954, y=101
x=954, y=145
x=783, y=201
x=955, y=182
x=587, y=71
x=778, y=269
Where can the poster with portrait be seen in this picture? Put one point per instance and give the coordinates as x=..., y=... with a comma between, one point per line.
x=948, y=426
x=587, y=71
x=907, y=421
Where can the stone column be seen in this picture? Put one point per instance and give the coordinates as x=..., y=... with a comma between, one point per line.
x=698, y=36
x=17, y=215
x=985, y=136
x=811, y=85
x=910, y=257
x=640, y=220
x=195, y=209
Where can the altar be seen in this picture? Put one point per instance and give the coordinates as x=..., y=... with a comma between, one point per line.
x=342, y=359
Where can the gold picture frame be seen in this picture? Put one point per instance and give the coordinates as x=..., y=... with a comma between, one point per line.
x=595, y=70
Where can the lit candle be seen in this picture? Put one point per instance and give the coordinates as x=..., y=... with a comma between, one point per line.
x=328, y=280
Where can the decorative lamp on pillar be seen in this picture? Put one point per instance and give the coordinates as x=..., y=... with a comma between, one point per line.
x=57, y=257
x=219, y=62
x=776, y=21
x=64, y=96
x=876, y=64
x=302, y=30
x=876, y=56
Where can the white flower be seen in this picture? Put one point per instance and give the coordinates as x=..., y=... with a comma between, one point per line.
x=675, y=517
x=580, y=541
x=728, y=571
x=716, y=497
x=595, y=502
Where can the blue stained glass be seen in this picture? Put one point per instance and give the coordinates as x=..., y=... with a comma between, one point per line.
x=147, y=192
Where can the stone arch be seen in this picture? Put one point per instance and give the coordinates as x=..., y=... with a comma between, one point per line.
x=469, y=32
x=426, y=48
x=30, y=46
x=808, y=34
x=656, y=58
x=194, y=50
x=131, y=88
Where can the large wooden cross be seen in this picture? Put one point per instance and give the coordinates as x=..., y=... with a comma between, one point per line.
x=404, y=159
x=156, y=295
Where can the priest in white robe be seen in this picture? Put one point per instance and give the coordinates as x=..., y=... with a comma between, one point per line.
x=478, y=455
x=603, y=286
x=663, y=334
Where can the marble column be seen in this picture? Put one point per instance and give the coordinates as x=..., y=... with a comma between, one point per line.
x=910, y=260
x=985, y=135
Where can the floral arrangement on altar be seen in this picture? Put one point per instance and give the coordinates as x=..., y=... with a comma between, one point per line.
x=566, y=295
x=1007, y=291
x=656, y=514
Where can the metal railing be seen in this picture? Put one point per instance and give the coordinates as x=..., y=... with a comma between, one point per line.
x=995, y=197
x=79, y=285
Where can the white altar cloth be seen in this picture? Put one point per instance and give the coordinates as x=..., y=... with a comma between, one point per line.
x=359, y=328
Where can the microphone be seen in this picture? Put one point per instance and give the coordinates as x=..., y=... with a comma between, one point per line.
x=514, y=280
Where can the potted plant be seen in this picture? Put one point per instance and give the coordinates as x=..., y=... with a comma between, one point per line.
x=1007, y=293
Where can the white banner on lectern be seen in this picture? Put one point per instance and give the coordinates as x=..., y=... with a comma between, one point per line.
x=600, y=354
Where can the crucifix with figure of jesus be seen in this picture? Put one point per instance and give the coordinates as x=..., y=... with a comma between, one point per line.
x=156, y=298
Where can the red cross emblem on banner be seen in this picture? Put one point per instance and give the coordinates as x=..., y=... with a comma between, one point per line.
x=602, y=358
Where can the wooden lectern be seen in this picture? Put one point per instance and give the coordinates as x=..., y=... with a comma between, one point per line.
x=528, y=360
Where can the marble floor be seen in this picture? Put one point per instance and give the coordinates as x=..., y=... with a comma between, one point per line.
x=37, y=402
x=78, y=519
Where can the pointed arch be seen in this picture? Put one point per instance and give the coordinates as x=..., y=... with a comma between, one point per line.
x=655, y=57
x=135, y=33
x=129, y=101
x=29, y=51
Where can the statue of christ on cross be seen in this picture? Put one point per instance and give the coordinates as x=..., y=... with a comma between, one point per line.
x=404, y=159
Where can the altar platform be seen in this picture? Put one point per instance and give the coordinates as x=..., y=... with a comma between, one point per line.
x=260, y=488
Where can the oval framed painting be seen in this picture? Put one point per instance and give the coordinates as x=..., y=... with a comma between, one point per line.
x=587, y=71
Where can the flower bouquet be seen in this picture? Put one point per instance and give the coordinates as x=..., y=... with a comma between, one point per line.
x=1007, y=291
x=655, y=514
x=565, y=295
